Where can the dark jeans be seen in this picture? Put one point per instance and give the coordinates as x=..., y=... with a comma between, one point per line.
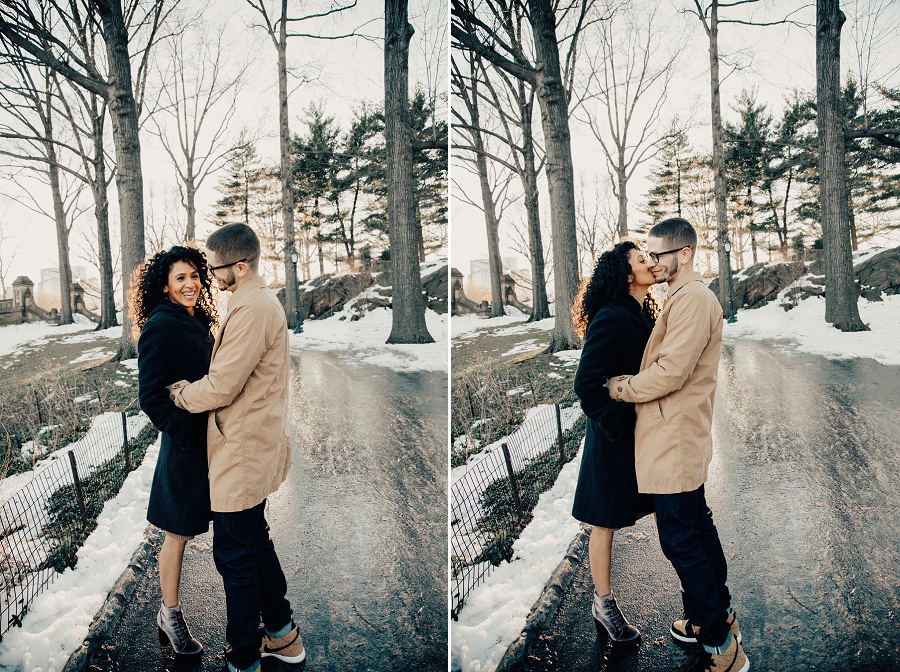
x=691, y=543
x=254, y=582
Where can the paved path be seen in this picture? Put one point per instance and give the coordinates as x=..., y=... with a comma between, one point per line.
x=360, y=527
x=804, y=488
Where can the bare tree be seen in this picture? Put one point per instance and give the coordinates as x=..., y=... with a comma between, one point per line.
x=22, y=29
x=597, y=222
x=277, y=28
x=841, y=292
x=470, y=31
x=197, y=97
x=408, y=313
x=708, y=14
x=469, y=125
x=629, y=78
x=29, y=104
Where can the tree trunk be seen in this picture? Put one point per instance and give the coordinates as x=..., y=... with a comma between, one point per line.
x=492, y=226
x=540, y=308
x=320, y=244
x=718, y=149
x=841, y=292
x=287, y=179
x=560, y=175
x=129, y=178
x=622, y=197
x=190, y=205
x=408, y=314
x=101, y=215
x=421, y=236
x=62, y=237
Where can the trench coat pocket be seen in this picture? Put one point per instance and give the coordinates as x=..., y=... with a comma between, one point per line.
x=214, y=438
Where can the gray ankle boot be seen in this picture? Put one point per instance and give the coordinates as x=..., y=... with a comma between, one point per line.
x=606, y=613
x=173, y=630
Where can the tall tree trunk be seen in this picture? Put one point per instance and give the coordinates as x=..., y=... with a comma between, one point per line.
x=62, y=237
x=560, y=175
x=129, y=178
x=101, y=215
x=492, y=226
x=287, y=179
x=851, y=215
x=421, y=232
x=622, y=197
x=540, y=308
x=841, y=292
x=190, y=205
x=718, y=149
x=320, y=244
x=408, y=314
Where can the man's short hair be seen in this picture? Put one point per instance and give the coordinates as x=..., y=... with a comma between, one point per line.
x=234, y=242
x=677, y=232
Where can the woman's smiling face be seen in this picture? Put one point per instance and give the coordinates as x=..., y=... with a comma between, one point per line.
x=183, y=286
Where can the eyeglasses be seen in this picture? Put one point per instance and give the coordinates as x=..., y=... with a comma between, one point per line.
x=656, y=255
x=216, y=268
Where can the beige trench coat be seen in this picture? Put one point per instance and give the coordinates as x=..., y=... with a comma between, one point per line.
x=674, y=390
x=248, y=445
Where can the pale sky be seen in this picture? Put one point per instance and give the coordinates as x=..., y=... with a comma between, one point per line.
x=775, y=60
x=350, y=72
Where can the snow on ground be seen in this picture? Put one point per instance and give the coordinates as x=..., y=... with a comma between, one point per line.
x=521, y=348
x=59, y=618
x=567, y=358
x=364, y=340
x=804, y=328
x=468, y=326
x=534, y=436
x=496, y=610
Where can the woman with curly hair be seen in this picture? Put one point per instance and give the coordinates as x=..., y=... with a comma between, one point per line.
x=614, y=313
x=173, y=309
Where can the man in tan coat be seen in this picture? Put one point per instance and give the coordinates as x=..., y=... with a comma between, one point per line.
x=248, y=450
x=674, y=394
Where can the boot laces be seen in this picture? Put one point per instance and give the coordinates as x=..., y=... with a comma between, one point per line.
x=615, y=617
x=180, y=627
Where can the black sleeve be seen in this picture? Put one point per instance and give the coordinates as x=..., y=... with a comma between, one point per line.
x=601, y=358
x=154, y=373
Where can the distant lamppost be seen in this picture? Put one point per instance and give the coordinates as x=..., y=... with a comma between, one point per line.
x=726, y=245
x=298, y=321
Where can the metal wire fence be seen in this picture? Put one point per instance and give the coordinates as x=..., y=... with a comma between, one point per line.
x=492, y=496
x=48, y=512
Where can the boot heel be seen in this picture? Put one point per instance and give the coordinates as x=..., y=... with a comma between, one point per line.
x=163, y=638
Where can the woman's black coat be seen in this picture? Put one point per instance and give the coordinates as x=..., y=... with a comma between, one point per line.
x=176, y=346
x=606, y=494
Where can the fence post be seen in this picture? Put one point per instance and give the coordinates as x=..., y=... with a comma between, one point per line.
x=125, y=443
x=79, y=494
x=512, y=483
x=559, y=433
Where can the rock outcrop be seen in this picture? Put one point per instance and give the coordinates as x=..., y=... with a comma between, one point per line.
x=328, y=294
x=756, y=285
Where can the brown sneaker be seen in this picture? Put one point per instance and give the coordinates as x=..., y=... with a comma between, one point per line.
x=684, y=631
x=288, y=648
x=730, y=659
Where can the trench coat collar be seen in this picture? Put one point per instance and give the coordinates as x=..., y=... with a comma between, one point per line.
x=245, y=291
x=690, y=276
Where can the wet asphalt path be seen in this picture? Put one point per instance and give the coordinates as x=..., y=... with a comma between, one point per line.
x=359, y=526
x=804, y=489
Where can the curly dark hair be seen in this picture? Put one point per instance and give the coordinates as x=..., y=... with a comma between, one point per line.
x=150, y=277
x=608, y=283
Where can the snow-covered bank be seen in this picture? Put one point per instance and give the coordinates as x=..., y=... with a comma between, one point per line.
x=363, y=340
x=59, y=618
x=495, y=611
x=804, y=328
